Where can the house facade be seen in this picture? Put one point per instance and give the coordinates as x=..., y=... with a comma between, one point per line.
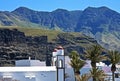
x=34, y=70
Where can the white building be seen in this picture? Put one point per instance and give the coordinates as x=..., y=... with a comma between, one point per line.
x=34, y=70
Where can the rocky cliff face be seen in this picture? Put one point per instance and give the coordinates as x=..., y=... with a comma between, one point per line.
x=14, y=45
x=10, y=36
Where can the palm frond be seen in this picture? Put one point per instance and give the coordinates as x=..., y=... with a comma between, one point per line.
x=95, y=54
x=85, y=77
x=97, y=74
x=75, y=62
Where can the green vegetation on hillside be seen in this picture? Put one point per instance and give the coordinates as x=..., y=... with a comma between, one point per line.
x=52, y=34
x=36, y=32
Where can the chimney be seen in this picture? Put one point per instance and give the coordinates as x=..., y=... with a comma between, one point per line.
x=54, y=57
x=54, y=53
x=60, y=50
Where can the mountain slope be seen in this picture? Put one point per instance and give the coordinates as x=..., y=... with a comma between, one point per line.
x=15, y=45
x=6, y=19
x=63, y=19
x=101, y=23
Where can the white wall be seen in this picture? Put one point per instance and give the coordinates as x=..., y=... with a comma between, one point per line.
x=70, y=73
x=39, y=76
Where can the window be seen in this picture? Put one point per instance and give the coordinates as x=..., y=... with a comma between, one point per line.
x=60, y=63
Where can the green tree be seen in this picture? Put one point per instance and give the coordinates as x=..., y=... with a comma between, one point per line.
x=114, y=58
x=84, y=77
x=76, y=63
x=99, y=75
x=95, y=55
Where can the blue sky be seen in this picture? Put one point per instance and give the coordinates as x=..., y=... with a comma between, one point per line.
x=50, y=5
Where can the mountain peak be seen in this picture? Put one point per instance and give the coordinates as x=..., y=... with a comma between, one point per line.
x=22, y=9
x=60, y=10
x=103, y=8
x=96, y=8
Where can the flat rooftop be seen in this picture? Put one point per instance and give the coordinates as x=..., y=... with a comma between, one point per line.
x=28, y=69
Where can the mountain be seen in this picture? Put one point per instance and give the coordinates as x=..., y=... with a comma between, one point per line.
x=101, y=23
x=60, y=18
x=6, y=19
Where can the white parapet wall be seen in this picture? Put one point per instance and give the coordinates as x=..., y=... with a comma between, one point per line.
x=30, y=63
x=28, y=73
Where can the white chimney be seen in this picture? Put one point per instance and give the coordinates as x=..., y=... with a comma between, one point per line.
x=60, y=50
x=54, y=57
x=54, y=53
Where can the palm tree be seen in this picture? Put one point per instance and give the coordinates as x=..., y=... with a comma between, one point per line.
x=99, y=75
x=94, y=55
x=84, y=77
x=76, y=63
x=114, y=58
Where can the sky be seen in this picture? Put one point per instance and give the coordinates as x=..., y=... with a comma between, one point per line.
x=50, y=5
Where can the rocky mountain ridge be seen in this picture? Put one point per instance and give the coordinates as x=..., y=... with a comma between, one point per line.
x=101, y=23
